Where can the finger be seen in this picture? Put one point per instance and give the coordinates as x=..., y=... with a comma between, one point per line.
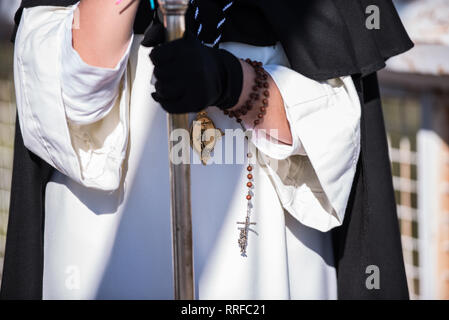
x=170, y=71
x=167, y=52
x=163, y=74
x=160, y=55
x=166, y=104
x=168, y=90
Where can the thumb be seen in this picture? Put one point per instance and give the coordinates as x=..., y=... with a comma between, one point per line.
x=154, y=35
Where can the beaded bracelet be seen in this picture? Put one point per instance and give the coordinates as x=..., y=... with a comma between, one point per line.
x=260, y=84
x=255, y=97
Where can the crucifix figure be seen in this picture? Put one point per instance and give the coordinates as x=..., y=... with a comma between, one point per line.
x=243, y=238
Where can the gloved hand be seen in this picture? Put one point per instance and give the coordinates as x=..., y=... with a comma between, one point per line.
x=191, y=76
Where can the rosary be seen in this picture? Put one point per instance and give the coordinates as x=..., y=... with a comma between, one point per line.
x=257, y=100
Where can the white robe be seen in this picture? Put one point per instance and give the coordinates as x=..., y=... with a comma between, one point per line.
x=107, y=224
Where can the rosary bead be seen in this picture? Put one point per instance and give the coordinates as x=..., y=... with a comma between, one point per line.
x=249, y=103
x=250, y=176
x=260, y=115
x=226, y=112
x=265, y=85
x=239, y=120
x=249, y=184
x=249, y=168
x=255, y=87
x=265, y=102
x=262, y=109
x=256, y=122
x=248, y=197
x=266, y=93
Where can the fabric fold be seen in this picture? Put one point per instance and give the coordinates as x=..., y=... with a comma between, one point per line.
x=90, y=154
x=325, y=118
x=89, y=92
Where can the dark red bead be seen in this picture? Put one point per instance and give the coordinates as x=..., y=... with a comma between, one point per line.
x=266, y=93
x=265, y=85
x=256, y=122
x=260, y=115
x=262, y=109
x=265, y=102
x=250, y=176
x=226, y=112
x=249, y=168
x=249, y=184
x=248, y=197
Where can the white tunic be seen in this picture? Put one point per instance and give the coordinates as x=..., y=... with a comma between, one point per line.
x=107, y=224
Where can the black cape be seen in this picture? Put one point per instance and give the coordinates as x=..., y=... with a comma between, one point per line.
x=323, y=39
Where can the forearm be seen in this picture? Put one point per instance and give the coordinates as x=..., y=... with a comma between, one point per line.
x=275, y=117
x=104, y=30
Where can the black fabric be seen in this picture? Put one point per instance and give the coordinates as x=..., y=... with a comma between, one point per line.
x=23, y=264
x=191, y=76
x=370, y=232
x=322, y=39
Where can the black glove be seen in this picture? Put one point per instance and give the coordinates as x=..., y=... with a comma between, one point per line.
x=191, y=76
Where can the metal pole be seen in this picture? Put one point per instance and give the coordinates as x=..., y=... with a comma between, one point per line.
x=181, y=214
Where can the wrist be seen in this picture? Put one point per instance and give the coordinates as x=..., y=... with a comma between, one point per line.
x=233, y=80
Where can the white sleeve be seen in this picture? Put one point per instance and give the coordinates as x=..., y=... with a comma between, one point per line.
x=72, y=115
x=88, y=92
x=314, y=176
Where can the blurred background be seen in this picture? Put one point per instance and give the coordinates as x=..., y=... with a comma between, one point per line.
x=415, y=89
